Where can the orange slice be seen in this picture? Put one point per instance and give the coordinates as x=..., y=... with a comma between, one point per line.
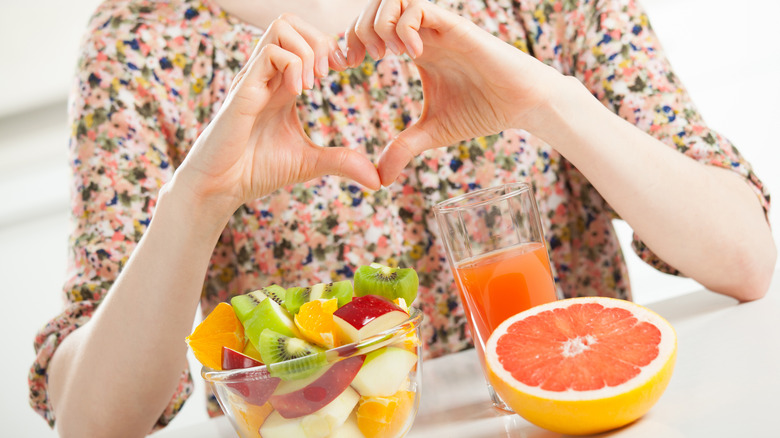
x=411, y=340
x=380, y=417
x=582, y=365
x=221, y=328
x=400, y=302
x=315, y=322
x=251, y=417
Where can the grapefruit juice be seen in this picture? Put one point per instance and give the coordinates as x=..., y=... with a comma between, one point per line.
x=503, y=283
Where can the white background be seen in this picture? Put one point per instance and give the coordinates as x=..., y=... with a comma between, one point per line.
x=725, y=52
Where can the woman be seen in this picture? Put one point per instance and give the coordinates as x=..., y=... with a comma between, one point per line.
x=160, y=89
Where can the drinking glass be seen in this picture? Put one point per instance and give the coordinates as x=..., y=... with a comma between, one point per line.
x=496, y=250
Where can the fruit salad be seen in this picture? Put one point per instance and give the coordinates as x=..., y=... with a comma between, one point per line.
x=327, y=360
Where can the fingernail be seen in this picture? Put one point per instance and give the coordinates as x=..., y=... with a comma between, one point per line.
x=299, y=86
x=323, y=66
x=310, y=78
x=373, y=51
x=393, y=47
x=340, y=59
x=350, y=57
x=410, y=51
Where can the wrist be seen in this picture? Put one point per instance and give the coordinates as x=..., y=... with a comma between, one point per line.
x=561, y=116
x=200, y=216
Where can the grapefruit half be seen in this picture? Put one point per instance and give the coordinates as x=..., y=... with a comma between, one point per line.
x=582, y=365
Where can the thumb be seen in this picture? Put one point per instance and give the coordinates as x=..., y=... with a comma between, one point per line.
x=347, y=163
x=400, y=151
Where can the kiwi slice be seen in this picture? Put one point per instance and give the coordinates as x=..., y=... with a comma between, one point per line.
x=268, y=315
x=341, y=290
x=275, y=292
x=295, y=297
x=289, y=358
x=244, y=304
x=391, y=283
x=298, y=296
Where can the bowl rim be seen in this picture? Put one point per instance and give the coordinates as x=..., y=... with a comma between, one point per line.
x=332, y=355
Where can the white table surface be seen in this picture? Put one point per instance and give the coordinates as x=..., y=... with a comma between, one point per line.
x=726, y=382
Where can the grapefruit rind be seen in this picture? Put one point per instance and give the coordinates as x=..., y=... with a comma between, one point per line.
x=587, y=412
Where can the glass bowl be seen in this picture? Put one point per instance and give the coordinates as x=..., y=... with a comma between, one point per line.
x=366, y=389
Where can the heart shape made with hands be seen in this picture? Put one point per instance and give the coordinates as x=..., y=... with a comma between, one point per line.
x=448, y=116
x=474, y=84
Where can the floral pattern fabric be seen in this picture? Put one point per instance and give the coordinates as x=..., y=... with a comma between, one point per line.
x=152, y=74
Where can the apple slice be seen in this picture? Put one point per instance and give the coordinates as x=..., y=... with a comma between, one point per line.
x=255, y=392
x=349, y=429
x=233, y=360
x=384, y=371
x=366, y=316
x=292, y=400
x=318, y=424
x=256, y=386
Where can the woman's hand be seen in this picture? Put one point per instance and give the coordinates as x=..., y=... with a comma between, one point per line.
x=256, y=143
x=474, y=84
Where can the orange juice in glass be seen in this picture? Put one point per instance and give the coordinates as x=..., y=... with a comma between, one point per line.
x=496, y=249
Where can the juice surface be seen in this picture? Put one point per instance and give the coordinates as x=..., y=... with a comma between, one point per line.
x=503, y=283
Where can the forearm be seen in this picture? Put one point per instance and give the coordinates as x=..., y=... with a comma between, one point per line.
x=704, y=221
x=119, y=371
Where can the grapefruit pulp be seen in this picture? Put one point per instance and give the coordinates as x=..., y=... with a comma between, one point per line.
x=582, y=365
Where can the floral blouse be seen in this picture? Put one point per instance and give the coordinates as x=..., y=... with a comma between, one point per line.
x=152, y=74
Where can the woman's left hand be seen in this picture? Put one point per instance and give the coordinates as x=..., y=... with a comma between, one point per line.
x=474, y=84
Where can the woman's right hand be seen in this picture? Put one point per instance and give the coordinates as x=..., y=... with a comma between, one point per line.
x=256, y=143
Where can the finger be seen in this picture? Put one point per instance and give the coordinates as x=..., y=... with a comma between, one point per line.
x=326, y=51
x=356, y=51
x=285, y=62
x=237, y=79
x=336, y=57
x=385, y=23
x=347, y=163
x=419, y=15
x=364, y=29
x=283, y=34
x=272, y=64
x=401, y=150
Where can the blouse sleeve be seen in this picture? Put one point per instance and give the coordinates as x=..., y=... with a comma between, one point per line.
x=616, y=54
x=118, y=154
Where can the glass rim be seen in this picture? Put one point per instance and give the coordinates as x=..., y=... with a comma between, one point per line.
x=455, y=203
x=332, y=355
